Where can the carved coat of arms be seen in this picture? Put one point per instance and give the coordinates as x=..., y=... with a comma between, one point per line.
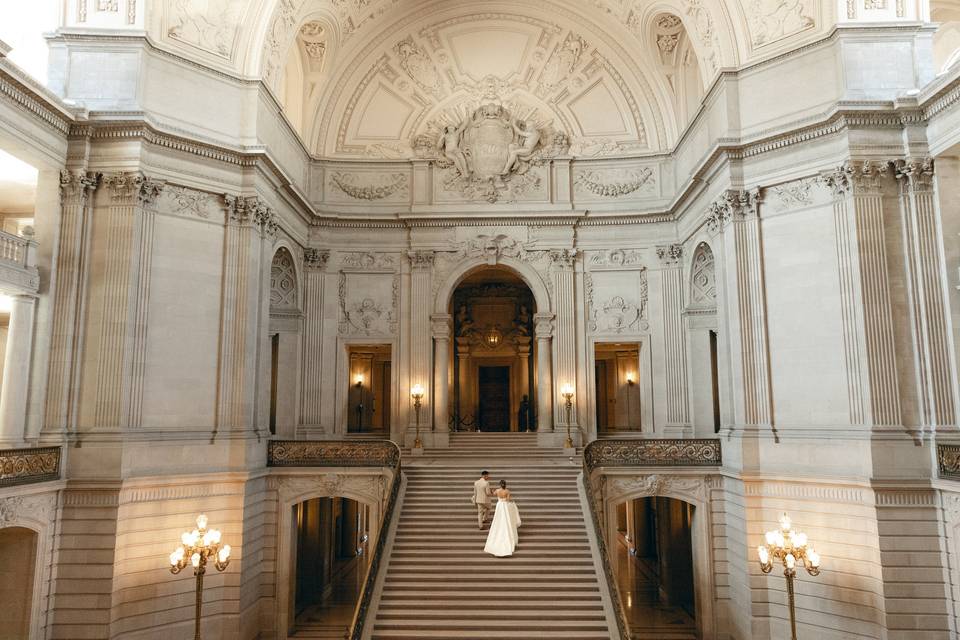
x=489, y=146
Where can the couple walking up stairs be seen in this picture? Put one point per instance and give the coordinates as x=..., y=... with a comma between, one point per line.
x=439, y=583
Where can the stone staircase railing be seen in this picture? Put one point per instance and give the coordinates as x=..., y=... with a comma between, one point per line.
x=27, y=466
x=18, y=262
x=636, y=453
x=338, y=453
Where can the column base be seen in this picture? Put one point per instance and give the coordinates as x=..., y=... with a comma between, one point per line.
x=429, y=439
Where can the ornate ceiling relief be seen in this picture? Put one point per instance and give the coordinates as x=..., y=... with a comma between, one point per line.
x=423, y=93
x=614, y=183
x=773, y=20
x=209, y=25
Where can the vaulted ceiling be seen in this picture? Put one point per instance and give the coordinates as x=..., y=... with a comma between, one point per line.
x=369, y=78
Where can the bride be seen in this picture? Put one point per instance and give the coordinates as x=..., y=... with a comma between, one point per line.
x=502, y=539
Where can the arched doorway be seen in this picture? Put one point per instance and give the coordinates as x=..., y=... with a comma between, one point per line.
x=493, y=364
x=18, y=556
x=653, y=557
x=330, y=556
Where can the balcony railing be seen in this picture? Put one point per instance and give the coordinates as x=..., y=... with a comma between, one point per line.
x=26, y=466
x=337, y=453
x=18, y=262
x=948, y=461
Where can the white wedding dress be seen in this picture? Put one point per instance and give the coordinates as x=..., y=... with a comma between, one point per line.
x=502, y=539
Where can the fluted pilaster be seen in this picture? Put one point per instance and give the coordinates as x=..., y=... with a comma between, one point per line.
x=314, y=266
x=674, y=338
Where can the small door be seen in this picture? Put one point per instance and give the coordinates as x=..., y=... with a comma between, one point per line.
x=494, y=398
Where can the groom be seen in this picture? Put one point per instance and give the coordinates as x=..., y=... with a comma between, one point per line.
x=481, y=497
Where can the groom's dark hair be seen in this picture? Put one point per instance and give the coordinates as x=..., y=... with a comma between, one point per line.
x=484, y=473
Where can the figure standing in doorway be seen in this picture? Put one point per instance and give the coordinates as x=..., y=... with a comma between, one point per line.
x=523, y=415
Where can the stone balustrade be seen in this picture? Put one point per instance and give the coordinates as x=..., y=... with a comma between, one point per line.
x=18, y=263
x=27, y=466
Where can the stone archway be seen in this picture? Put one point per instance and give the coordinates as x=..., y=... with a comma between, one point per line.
x=537, y=340
x=692, y=490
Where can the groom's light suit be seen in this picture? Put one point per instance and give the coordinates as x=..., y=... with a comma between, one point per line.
x=481, y=497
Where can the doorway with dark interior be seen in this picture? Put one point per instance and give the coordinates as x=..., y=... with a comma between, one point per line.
x=494, y=396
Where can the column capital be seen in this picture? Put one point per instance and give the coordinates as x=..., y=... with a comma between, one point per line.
x=562, y=259
x=132, y=187
x=315, y=259
x=440, y=325
x=250, y=211
x=730, y=205
x=670, y=254
x=77, y=183
x=421, y=260
x=914, y=174
x=543, y=325
x=860, y=177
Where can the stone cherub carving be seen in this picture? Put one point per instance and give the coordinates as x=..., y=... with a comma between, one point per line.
x=450, y=147
x=529, y=138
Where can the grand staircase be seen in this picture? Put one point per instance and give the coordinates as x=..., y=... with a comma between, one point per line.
x=440, y=584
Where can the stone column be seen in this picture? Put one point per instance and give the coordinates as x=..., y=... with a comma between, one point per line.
x=124, y=282
x=674, y=342
x=736, y=213
x=935, y=378
x=543, y=331
x=240, y=315
x=16, y=370
x=565, y=342
x=868, y=332
x=441, y=371
x=421, y=272
x=76, y=189
x=314, y=265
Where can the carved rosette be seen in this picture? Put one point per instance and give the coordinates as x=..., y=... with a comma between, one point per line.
x=25, y=466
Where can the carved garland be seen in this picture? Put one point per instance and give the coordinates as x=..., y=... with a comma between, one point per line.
x=593, y=182
x=347, y=183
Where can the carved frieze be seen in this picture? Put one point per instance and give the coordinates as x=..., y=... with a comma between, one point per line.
x=655, y=485
x=367, y=260
x=774, y=20
x=183, y=201
x=615, y=183
x=792, y=195
x=211, y=26
x=618, y=313
x=370, y=186
x=36, y=508
x=615, y=258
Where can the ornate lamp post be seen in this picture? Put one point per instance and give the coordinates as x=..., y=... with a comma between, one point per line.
x=567, y=392
x=786, y=546
x=196, y=547
x=417, y=394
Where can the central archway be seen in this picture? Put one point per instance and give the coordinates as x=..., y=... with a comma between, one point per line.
x=493, y=369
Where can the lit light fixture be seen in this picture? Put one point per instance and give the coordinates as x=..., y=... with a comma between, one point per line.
x=788, y=547
x=416, y=392
x=196, y=548
x=567, y=391
x=630, y=379
x=493, y=337
x=358, y=380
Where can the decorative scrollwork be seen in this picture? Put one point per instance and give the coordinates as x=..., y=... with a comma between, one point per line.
x=948, y=461
x=25, y=466
x=652, y=453
x=332, y=453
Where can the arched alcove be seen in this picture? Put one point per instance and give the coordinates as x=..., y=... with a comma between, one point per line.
x=678, y=62
x=703, y=278
x=286, y=324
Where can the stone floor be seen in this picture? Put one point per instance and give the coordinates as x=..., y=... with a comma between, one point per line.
x=648, y=618
x=332, y=617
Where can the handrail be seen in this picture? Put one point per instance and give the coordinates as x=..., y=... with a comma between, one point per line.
x=26, y=466
x=623, y=452
x=344, y=453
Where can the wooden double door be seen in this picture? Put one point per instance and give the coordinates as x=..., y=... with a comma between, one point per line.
x=493, y=400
